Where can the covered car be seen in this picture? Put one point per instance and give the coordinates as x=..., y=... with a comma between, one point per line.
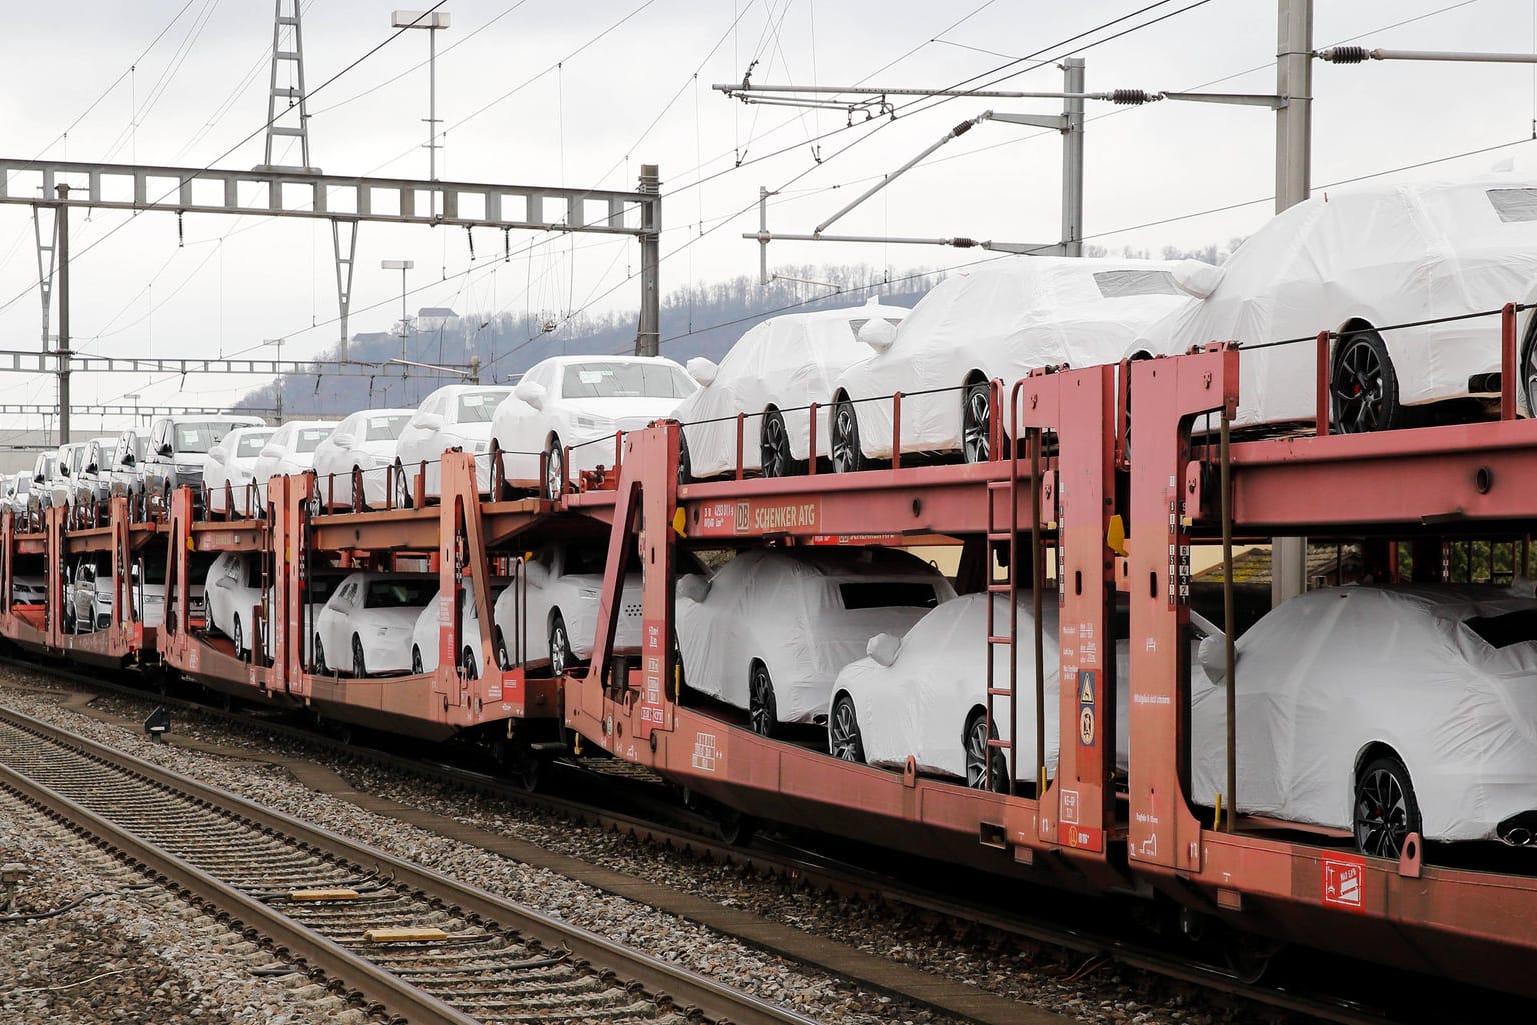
x=424, y=635
x=1002, y=321
x=773, y=373
x=562, y=582
x=232, y=463
x=1356, y=261
x=582, y=402
x=455, y=416
x=770, y=631
x=366, y=625
x=1382, y=710
x=363, y=442
x=291, y=448
x=232, y=590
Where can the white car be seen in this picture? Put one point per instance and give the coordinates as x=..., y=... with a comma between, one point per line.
x=560, y=588
x=291, y=449
x=177, y=453
x=93, y=485
x=424, y=636
x=1383, y=710
x=454, y=416
x=773, y=373
x=125, y=474
x=367, y=623
x=232, y=462
x=1356, y=261
x=997, y=321
x=232, y=591
x=582, y=402
x=60, y=489
x=773, y=627
x=19, y=492
x=28, y=590
x=364, y=441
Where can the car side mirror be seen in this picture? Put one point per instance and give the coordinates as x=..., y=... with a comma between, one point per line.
x=38, y=479
x=165, y=450
x=702, y=370
x=878, y=333
x=1212, y=654
x=883, y=648
x=535, y=574
x=430, y=421
x=90, y=468
x=695, y=587
x=531, y=392
x=128, y=459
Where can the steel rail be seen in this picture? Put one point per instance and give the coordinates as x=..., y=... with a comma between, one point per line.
x=714, y=1000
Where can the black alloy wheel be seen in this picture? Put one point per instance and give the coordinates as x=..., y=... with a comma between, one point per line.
x=416, y=661
x=402, y=487
x=359, y=669
x=238, y=639
x=975, y=739
x=560, y=646
x=469, y=665
x=1385, y=809
x=977, y=423
x=762, y=708
x=685, y=465
x=1363, y=387
x=1529, y=368
x=501, y=650
x=847, y=455
x=359, y=493
x=320, y=656
x=554, y=470
x=843, y=739
x=774, y=446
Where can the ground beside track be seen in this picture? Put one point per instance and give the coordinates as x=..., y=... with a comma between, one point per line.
x=1032, y=977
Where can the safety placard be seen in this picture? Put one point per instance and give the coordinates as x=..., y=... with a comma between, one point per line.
x=1344, y=882
x=1088, y=728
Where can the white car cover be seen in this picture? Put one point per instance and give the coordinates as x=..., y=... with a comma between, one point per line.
x=233, y=590
x=424, y=636
x=379, y=610
x=1383, y=254
x=1332, y=672
x=786, y=363
x=291, y=449
x=805, y=613
x=233, y=461
x=565, y=579
x=1005, y=320
x=582, y=402
x=365, y=440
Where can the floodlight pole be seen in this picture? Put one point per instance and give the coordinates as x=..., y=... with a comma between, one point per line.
x=433, y=22
x=62, y=216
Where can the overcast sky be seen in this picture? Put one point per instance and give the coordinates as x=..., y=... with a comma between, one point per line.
x=535, y=93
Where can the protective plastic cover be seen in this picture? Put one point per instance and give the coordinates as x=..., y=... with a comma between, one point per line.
x=787, y=362
x=1384, y=254
x=1005, y=320
x=795, y=610
x=1331, y=673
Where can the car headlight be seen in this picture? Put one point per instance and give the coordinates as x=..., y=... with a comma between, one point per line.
x=384, y=631
x=595, y=424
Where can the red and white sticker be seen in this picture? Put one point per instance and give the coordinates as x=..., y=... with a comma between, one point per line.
x=1344, y=881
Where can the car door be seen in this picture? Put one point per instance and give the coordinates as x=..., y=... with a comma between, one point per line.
x=336, y=621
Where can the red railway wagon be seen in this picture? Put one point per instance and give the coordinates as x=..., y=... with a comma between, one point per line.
x=118, y=544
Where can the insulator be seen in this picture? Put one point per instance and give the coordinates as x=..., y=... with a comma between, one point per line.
x=1130, y=97
x=1348, y=54
x=963, y=243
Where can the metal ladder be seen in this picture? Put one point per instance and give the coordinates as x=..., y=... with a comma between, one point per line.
x=1007, y=586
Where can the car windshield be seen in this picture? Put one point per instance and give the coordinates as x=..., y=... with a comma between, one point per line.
x=197, y=438
x=321, y=589
x=252, y=444
x=399, y=594
x=140, y=446
x=1504, y=630
x=592, y=559
x=76, y=459
x=884, y=594
x=478, y=407
x=624, y=380
x=386, y=428
x=310, y=438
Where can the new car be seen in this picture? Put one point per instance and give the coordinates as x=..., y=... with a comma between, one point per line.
x=1385, y=711
x=581, y=402
x=28, y=590
x=367, y=623
x=363, y=443
x=997, y=321
x=125, y=472
x=771, y=629
x=773, y=373
x=178, y=452
x=232, y=590
x=90, y=597
x=291, y=448
x=60, y=489
x=93, y=485
x=454, y=416
x=1358, y=261
x=424, y=636
x=44, y=468
x=561, y=585
x=231, y=472
x=19, y=492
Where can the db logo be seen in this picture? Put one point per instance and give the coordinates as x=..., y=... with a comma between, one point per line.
x=1344, y=882
x=742, y=520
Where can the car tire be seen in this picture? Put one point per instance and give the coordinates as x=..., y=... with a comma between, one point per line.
x=359, y=492
x=554, y=469
x=843, y=739
x=560, y=646
x=320, y=657
x=469, y=665
x=977, y=423
x=417, y=666
x=359, y=667
x=502, y=658
x=762, y=706
x=1363, y=386
x=974, y=742
x=317, y=506
x=843, y=430
x=238, y=639
x=774, y=453
x=402, y=487
x=685, y=464
x=1386, y=811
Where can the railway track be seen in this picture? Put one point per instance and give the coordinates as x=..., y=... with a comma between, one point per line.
x=411, y=944
x=684, y=831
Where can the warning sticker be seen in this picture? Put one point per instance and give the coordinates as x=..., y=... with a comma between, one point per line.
x=1086, y=726
x=1344, y=881
x=1088, y=730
